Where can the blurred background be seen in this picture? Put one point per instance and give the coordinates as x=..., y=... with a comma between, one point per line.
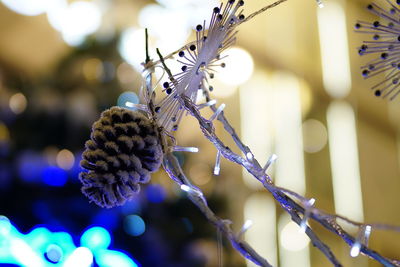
x=292, y=86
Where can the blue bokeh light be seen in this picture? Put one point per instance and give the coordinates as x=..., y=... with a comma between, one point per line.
x=131, y=206
x=54, y=176
x=106, y=218
x=134, y=225
x=31, y=166
x=114, y=258
x=155, y=193
x=127, y=97
x=96, y=238
x=43, y=248
x=54, y=253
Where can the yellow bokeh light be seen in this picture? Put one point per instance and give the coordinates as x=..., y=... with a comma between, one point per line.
x=18, y=103
x=65, y=159
x=92, y=69
x=315, y=136
x=4, y=133
x=200, y=173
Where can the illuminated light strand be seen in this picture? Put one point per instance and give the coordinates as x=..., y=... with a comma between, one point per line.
x=361, y=240
x=308, y=207
x=142, y=107
x=207, y=104
x=217, y=112
x=270, y=161
x=246, y=226
x=178, y=176
x=192, y=190
x=249, y=156
x=282, y=195
x=185, y=149
x=217, y=167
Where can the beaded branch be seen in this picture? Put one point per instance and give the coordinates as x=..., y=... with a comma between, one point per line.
x=161, y=118
x=384, y=46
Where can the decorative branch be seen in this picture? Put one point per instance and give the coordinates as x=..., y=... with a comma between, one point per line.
x=151, y=134
x=172, y=167
x=280, y=194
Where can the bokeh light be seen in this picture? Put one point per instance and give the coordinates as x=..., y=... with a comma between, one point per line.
x=134, y=225
x=132, y=47
x=238, y=68
x=18, y=103
x=80, y=19
x=315, y=136
x=92, y=69
x=54, y=253
x=125, y=73
x=170, y=34
x=96, y=238
x=54, y=176
x=81, y=257
x=50, y=154
x=126, y=99
x=65, y=159
x=155, y=193
x=4, y=133
x=31, y=166
x=114, y=258
x=27, y=7
x=41, y=247
x=200, y=173
x=5, y=225
x=292, y=239
x=106, y=218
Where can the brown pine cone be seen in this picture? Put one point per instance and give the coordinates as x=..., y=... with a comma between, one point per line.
x=122, y=152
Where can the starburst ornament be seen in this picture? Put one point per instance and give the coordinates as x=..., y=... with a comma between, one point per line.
x=384, y=47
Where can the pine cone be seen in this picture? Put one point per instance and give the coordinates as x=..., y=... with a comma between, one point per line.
x=122, y=152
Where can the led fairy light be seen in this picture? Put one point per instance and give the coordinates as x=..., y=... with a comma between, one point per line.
x=185, y=149
x=270, y=161
x=217, y=167
x=361, y=240
x=307, y=206
x=217, y=112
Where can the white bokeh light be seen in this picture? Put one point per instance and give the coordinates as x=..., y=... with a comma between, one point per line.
x=239, y=67
x=79, y=20
x=173, y=30
x=28, y=7
x=132, y=47
x=81, y=257
x=292, y=239
x=74, y=21
x=56, y=13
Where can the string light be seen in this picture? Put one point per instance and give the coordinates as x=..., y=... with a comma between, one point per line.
x=186, y=149
x=270, y=161
x=207, y=104
x=245, y=227
x=361, y=240
x=217, y=167
x=307, y=206
x=217, y=112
